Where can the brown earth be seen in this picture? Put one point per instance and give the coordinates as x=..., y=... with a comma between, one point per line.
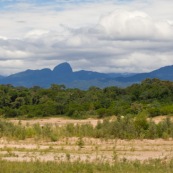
x=56, y=121
x=93, y=150
x=64, y=121
x=158, y=119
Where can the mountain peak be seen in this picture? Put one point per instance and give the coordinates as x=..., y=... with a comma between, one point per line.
x=63, y=68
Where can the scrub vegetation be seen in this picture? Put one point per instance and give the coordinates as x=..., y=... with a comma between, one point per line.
x=123, y=128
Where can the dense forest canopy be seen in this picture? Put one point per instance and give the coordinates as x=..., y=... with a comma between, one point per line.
x=152, y=96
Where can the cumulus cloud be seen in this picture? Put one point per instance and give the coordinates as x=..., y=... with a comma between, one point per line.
x=135, y=25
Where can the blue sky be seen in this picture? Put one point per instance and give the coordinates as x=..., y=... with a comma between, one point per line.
x=99, y=35
x=44, y=2
x=4, y=4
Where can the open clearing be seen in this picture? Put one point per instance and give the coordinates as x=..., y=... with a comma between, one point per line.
x=91, y=149
x=56, y=121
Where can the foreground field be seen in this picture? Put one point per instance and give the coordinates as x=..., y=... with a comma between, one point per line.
x=66, y=145
x=60, y=139
x=87, y=150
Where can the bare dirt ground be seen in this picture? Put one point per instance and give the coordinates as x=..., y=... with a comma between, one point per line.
x=158, y=119
x=93, y=150
x=56, y=121
x=64, y=121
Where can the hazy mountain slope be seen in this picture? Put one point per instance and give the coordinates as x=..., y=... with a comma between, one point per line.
x=63, y=74
x=164, y=73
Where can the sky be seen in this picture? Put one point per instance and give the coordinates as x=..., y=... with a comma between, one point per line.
x=100, y=35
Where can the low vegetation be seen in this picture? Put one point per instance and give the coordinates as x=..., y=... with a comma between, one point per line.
x=47, y=167
x=138, y=127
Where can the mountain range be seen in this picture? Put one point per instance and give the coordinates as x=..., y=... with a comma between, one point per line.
x=63, y=74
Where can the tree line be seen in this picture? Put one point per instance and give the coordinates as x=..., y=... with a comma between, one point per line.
x=152, y=96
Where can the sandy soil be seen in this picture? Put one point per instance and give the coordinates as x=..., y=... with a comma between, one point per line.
x=64, y=121
x=158, y=119
x=93, y=150
x=56, y=121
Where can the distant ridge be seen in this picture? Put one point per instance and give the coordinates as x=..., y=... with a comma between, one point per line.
x=163, y=73
x=64, y=74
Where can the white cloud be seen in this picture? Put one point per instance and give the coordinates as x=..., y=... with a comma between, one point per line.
x=134, y=25
x=35, y=33
x=105, y=36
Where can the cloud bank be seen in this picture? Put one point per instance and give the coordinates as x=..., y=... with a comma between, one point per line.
x=105, y=36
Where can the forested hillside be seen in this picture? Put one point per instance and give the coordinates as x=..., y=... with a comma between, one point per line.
x=152, y=96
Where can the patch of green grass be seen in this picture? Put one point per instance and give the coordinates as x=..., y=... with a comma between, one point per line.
x=69, y=167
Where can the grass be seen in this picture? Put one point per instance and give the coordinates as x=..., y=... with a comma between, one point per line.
x=79, y=167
